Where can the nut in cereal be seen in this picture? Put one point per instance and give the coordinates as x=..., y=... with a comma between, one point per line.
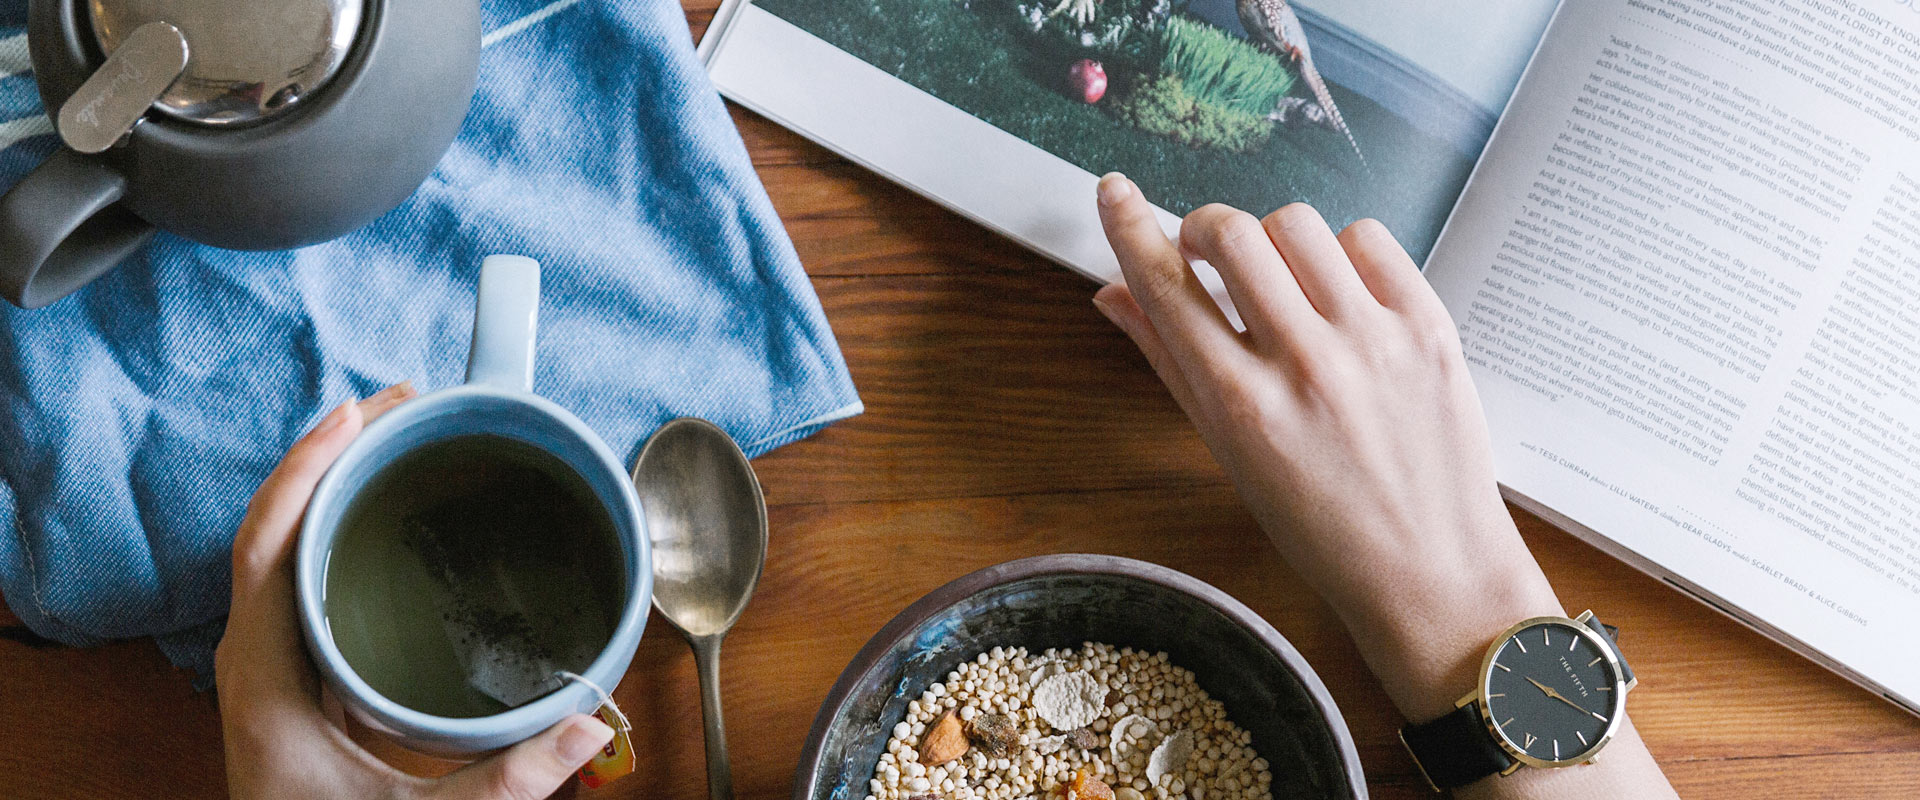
x=996, y=735
x=943, y=741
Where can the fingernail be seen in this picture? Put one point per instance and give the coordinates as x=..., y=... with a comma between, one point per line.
x=1105, y=310
x=402, y=389
x=1114, y=187
x=333, y=419
x=582, y=739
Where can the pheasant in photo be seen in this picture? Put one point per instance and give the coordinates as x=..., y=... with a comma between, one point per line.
x=1272, y=24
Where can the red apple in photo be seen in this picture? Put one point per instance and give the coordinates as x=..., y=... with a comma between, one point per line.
x=1087, y=77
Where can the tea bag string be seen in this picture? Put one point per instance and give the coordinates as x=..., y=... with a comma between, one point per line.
x=605, y=698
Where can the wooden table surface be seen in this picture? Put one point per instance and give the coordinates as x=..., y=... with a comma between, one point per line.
x=1005, y=418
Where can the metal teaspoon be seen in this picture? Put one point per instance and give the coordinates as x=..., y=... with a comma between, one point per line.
x=708, y=523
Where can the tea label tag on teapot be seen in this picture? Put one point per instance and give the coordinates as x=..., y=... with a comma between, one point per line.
x=615, y=760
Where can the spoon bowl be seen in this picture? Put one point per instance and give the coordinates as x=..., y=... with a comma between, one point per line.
x=708, y=523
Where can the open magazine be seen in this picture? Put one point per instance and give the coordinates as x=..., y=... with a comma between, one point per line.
x=1007, y=111
x=1684, y=253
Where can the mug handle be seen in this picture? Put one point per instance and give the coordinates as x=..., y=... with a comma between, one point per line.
x=503, y=324
x=61, y=227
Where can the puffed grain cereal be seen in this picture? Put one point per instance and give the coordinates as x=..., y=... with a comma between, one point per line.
x=1070, y=724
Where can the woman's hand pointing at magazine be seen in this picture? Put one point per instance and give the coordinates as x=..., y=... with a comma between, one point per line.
x=1345, y=417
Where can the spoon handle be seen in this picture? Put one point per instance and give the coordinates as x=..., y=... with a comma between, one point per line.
x=706, y=657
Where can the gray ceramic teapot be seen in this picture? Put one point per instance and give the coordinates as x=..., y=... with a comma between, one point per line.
x=243, y=124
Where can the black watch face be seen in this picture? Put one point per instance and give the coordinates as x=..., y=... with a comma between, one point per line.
x=1552, y=692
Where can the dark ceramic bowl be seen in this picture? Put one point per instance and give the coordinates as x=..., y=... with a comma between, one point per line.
x=1062, y=601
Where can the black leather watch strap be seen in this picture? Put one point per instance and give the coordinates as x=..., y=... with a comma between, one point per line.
x=1456, y=749
x=1612, y=636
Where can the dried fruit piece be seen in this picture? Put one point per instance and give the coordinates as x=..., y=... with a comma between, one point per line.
x=1083, y=738
x=944, y=741
x=997, y=735
x=1170, y=757
x=1070, y=700
x=1084, y=786
x=927, y=796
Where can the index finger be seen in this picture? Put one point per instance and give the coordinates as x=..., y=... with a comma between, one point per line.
x=264, y=678
x=260, y=656
x=273, y=516
x=261, y=546
x=1158, y=276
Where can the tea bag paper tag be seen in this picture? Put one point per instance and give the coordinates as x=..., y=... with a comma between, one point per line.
x=615, y=760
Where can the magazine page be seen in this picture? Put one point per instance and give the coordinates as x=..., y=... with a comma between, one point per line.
x=1687, y=279
x=1008, y=110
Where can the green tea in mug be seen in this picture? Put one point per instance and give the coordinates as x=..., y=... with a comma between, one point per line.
x=468, y=571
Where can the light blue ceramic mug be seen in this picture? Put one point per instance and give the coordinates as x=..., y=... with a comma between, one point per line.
x=497, y=399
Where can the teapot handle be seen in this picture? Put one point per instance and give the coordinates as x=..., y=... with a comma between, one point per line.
x=60, y=228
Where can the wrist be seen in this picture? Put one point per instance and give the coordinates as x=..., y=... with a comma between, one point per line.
x=1425, y=639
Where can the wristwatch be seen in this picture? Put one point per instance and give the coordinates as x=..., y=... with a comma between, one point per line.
x=1552, y=692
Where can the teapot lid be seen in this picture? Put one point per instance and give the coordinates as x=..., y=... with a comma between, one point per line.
x=247, y=59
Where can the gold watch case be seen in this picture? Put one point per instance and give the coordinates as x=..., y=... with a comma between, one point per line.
x=1520, y=757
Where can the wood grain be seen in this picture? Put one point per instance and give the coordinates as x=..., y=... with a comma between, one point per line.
x=1005, y=419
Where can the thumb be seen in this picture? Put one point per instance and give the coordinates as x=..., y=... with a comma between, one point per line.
x=532, y=769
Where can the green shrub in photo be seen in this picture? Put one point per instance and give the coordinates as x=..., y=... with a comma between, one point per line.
x=1221, y=70
x=1163, y=106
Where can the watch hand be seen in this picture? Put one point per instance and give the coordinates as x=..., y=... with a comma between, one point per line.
x=1577, y=707
x=1548, y=690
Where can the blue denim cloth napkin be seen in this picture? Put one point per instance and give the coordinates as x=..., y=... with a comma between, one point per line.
x=137, y=416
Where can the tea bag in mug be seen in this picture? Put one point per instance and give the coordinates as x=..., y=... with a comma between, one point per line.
x=513, y=616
